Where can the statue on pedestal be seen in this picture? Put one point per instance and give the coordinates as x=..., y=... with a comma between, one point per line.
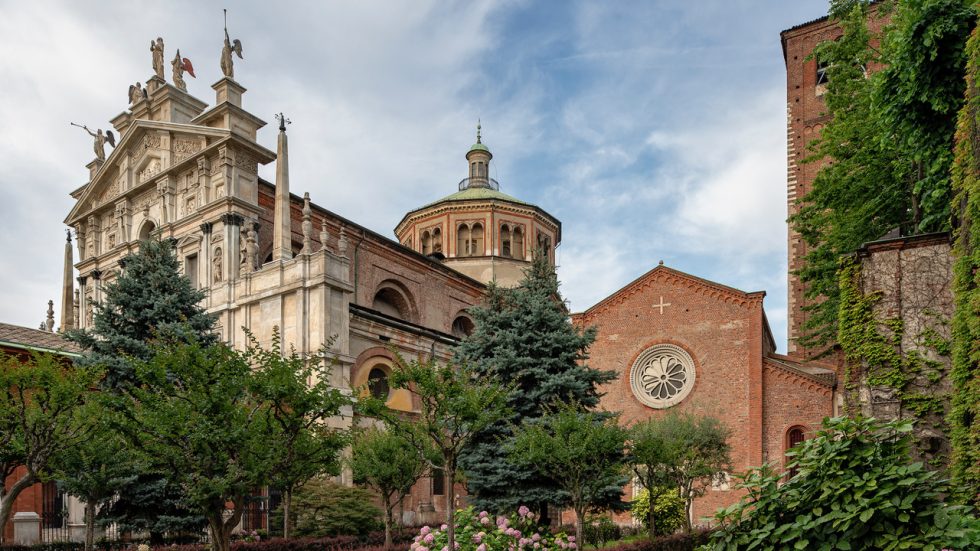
x=136, y=93
x=157, y=49
x=100, y=140
x=179, y=66
x=227, y=62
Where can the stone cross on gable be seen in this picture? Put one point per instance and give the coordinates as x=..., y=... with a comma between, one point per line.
x=662, y=305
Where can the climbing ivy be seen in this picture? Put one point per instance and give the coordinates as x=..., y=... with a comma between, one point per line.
x=965, y=375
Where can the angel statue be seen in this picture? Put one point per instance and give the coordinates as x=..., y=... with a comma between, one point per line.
x=227, y=62
x=157, y=49
x=181, y=65
x=136, y=93
x=100, y=140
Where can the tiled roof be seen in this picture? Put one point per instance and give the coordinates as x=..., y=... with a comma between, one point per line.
x=15, y=336
x=808, y=370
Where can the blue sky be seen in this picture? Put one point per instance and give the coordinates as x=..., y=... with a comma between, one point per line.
x=653, y=130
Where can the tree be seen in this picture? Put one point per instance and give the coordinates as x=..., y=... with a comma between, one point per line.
x=454, y=403
x=855, y=488
x=324, y=508
x=387, y=462
x=679, y=450
x=886, y=152
x=299, y=400
x=193, y=415
x=149, y=302
x=965, y=374
x=668, y=511
x=94, y=469
x=523, y=336
x=581, y=453
x=41, y=402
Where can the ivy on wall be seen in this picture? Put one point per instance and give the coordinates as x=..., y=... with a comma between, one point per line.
x=965, y=404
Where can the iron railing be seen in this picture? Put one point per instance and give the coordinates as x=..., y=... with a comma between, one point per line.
x=479, y=182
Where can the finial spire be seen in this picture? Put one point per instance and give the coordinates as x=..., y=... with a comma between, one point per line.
x=478, y=128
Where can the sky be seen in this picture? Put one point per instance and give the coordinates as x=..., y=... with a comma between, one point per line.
x=654, y=130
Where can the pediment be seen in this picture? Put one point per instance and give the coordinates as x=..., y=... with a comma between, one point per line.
x=663, y=275
x=146, y=150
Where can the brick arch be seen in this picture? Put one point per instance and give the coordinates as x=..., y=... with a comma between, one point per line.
x=794, y=434
x=395, y=294
x=379, y=357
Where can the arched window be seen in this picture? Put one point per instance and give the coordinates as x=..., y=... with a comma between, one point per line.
x=505, y=240
x=476, y=240
x=794, y=436
x=378, y=383
x=517, y=243
x=146, y=229
x=463, y=240
x=426, y=243
x=437, y=241
x=388, y=301
x=462, y=327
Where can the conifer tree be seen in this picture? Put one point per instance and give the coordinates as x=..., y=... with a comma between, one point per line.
x=150, y=301
x=524, y=338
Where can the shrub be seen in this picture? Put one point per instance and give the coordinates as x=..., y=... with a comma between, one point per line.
x=323, y=508
x=676, y=542
x=855, y=488
x=481, y=532
x=599, y=530
x=668, y=510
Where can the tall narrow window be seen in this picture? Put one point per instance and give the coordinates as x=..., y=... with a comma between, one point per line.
x=437, y=241
x=463, y=240
x=505, y=240
x=517, y=243
x=822, y=77
x=794, y=437
x=476, y=239
x=426, y=243
x=190, y=270
x=438, y=482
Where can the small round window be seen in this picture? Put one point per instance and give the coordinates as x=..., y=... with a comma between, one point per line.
x=378, y=383
x=662, y=376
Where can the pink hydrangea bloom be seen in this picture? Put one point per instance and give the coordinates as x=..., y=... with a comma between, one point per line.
x=523, y=511
x=425, y=530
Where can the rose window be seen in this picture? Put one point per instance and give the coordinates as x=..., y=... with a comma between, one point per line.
x=662, y=376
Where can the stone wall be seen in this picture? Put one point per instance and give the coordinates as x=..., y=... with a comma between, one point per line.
x=911, y=279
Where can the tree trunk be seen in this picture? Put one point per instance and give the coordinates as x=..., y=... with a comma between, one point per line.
x=386, y=500
x=650, y=526
x=688, y=509
x=580, y=527
x=287, y=498
x=451, y=503
x=7, y=500
x=89, y=525
x=215, y=530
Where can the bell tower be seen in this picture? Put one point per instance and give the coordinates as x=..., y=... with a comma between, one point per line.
x=479, y=158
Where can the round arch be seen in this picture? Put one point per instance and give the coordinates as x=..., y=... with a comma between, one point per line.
x=392, y=298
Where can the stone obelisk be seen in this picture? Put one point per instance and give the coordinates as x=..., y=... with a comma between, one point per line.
x=67, y=290
x=282, y=227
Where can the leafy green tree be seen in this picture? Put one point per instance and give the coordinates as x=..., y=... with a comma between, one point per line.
x=965, y=374
x=147, y=303
x=194, y=416
x=679, y=450
x=388, y=463
x=454, y=403
x=666, y=515
x=94, y=469
x=523, y=336
x=885, y=154
x=41, y=415
x=581, y=453
x=298, y=401
x=855, y=488
x=324, y=508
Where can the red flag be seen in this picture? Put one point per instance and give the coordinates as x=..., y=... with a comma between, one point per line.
x=189, y=67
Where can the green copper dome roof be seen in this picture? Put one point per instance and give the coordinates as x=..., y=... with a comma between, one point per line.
x=479, y=147
x=477, y=193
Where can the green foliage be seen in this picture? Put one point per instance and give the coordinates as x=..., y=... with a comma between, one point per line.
x=582, y=453
x=454, y=403
x=387, y=462
x=297, y=400
x=42, y=415
x=324, y=508
x=668, y=510
x=679, y=450
x=149, y=301
x=889, y=140
x=965, y=375
x=523, y=336
x=855, y=488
